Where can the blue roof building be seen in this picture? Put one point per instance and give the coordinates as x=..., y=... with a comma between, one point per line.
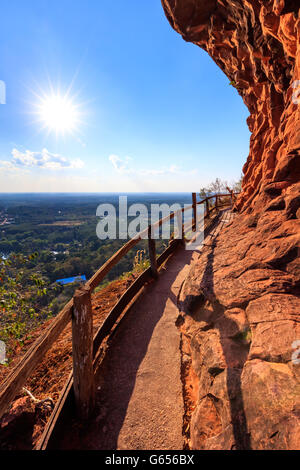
x=71, y=280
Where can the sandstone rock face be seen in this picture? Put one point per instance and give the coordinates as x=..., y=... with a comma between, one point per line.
x=241, y=309
x=257, y=45
x=240, y=303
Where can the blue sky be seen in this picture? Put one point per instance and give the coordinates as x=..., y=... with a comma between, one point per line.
x=156, y=113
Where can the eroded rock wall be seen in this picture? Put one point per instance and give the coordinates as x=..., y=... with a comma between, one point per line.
x=240, y=309
x=257, y=45
x=240, y=303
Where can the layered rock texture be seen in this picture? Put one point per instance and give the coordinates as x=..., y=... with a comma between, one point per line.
x=240, y=302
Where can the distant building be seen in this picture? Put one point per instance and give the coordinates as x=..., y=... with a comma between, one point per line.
x=71, y=280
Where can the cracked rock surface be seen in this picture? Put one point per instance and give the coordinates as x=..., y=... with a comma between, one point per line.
x=241, y=317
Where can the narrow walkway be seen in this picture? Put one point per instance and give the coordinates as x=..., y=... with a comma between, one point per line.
x=140, y=402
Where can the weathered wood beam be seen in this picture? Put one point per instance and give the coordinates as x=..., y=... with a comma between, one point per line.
x=82, y=352
x=194, y=195
x=152, y=253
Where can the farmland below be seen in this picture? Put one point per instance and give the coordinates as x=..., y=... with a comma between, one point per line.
x=46, y=237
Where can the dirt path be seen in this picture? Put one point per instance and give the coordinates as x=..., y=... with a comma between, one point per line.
x=139, y=393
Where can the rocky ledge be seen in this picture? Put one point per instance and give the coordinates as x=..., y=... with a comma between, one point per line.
x=240, y=303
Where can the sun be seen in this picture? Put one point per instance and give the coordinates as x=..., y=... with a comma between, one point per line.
x=58, y=113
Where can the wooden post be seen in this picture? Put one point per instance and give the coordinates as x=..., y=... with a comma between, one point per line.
x=82, y=343
x=207, y=208
x=180, y=221
x=217, y=203
x=233, y=197
x=180, y=227
x=152, y=253
x=194, y=210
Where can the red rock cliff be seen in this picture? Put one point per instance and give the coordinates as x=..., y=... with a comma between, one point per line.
x=257, y=45
x=240, y=302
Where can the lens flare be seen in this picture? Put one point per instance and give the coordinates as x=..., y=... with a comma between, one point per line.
x=58, y=113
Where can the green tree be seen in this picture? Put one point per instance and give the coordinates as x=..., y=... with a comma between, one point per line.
x=219, y=186
x=24, y=297
x=237, y=186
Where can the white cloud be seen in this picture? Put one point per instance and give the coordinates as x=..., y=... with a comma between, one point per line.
x=7, y=165
x=8, y=168
x=44, y=159
x=122, y=167
x=119, y=165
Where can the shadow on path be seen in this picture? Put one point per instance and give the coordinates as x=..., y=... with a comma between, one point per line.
x=118, y=376
x=122, y=366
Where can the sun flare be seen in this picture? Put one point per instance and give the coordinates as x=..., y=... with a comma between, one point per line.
x=58, y=113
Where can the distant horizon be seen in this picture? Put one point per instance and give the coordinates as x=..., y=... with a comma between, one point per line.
x=95, y=192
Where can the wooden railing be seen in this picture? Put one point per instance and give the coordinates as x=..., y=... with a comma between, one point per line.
x=79, y=311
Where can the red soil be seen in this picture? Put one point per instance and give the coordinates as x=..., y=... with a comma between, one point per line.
x=49, y=378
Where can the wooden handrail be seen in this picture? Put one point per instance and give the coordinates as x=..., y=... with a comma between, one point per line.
x=216, y=195
x=66, y=398
x=18, y=377
x=104, y=270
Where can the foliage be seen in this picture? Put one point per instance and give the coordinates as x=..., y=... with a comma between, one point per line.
x=235, y=85
x=140, y=262
x=219, y=186
x=237, y=187
x=245, y=336
x=24, y=297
